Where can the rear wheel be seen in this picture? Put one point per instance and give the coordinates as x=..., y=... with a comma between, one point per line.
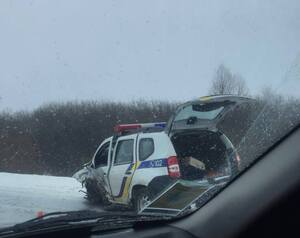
x=142, y=198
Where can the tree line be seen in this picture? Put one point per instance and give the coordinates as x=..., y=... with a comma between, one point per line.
x=57, y=138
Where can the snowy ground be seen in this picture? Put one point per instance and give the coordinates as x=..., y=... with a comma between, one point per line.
x=22, y=196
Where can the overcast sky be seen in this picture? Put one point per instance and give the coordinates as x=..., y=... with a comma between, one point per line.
x=59, y=50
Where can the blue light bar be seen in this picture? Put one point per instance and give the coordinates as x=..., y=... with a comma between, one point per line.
x=161, y=124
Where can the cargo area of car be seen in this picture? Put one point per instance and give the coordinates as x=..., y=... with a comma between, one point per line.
x=205, y=146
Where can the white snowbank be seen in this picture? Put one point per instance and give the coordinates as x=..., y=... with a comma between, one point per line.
x=22, y=196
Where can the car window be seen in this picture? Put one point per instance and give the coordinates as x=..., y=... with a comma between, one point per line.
x=124, y=152
x=101, y=158
x=146, y=148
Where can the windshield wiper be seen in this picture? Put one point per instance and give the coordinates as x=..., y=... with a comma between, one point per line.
x=107, y=220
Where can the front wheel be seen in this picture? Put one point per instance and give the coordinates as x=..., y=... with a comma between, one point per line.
x=141, y=199
x=96, y=192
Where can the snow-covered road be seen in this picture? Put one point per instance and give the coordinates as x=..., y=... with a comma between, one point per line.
x=22, y=196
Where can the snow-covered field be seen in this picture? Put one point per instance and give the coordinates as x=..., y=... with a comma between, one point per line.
x=22, y=196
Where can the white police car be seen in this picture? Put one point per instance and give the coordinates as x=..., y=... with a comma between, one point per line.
x=141, y=160
x=128, y=164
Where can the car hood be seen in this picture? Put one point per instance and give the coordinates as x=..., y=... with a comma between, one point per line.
x=206, y=112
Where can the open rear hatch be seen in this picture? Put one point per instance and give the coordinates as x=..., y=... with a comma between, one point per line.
x=203, y=130
x=205, y=113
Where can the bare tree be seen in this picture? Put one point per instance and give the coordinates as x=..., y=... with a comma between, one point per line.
x=225, y=82
x=222, y=82
x=241, y=88
x=269, y=95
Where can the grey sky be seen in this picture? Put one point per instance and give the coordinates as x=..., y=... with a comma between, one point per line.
x=122, y=50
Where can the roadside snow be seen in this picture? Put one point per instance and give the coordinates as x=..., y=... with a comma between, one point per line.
x=22, y=196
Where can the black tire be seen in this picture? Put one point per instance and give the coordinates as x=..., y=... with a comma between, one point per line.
x=141, y=198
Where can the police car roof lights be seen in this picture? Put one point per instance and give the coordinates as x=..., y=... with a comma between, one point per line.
x=129, y=127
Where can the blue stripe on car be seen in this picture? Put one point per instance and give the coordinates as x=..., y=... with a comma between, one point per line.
x=153, y=163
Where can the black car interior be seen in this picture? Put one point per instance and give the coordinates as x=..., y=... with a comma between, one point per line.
x=202, y=145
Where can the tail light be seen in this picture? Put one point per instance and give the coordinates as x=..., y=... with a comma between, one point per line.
x=173, y=167
x=238, y=160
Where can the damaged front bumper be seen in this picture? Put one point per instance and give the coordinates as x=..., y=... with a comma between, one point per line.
x=95, y=183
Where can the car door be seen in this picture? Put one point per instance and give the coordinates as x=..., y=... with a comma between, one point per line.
x=101, y=160
x=123, y=159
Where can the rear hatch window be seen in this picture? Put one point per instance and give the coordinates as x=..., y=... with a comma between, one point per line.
x=206, y=112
